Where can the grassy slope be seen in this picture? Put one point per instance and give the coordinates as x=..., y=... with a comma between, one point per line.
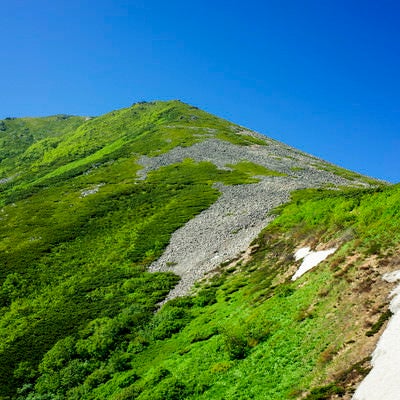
x=77, y=305
x=250, y=332
x=143, y=129
x=19, y=138
x=65, y=255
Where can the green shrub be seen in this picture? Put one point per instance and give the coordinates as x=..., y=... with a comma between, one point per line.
x=206, y=297
x=375, y=328
x=169, y=320
x=169, y=389
x=235, y=342
x=325, y=392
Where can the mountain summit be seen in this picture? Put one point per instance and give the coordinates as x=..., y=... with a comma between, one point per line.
x=142, y=257
x=248, y=172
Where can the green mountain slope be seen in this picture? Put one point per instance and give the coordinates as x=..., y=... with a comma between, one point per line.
x=46, y=150
x=87, y=205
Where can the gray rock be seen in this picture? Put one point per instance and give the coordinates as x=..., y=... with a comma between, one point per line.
x=228, y=227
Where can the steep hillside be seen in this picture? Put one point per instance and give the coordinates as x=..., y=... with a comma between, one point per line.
x=251, y=332
x=89, y=205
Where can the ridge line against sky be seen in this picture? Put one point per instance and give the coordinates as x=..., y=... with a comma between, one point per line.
x=319, y=76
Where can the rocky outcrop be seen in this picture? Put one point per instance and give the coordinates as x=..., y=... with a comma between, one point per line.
x=227, y=228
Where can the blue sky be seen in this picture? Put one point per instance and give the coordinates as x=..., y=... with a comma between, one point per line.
x=323, y=76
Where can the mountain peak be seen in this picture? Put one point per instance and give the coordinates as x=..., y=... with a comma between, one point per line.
x=105, y=219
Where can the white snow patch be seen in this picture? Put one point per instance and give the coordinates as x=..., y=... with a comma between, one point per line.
x=383, y=383
x=391, y=276
x=310, y=259
x=301, y=253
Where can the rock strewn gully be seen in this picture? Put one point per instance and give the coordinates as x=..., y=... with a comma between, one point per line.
x=228, y=227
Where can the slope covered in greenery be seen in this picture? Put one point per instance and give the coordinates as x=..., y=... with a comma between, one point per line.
x=80, y=226
x=46, y=150
x=249, y=332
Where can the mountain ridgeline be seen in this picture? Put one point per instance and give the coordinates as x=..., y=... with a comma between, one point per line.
x=148, y=254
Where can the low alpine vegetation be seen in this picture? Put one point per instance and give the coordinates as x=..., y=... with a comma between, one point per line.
x=80, y=315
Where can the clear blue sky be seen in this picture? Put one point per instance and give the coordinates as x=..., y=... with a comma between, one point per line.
x=322, y=75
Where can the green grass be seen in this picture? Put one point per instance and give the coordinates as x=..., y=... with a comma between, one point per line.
x=370, y=214
x=347, y=174
x=38, y=152
x=296, y=169
x=242, y=335
x=78, y=313
x=67, y=256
